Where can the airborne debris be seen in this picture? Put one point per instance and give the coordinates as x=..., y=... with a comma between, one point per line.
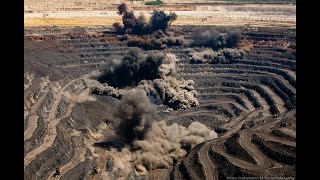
x=132, y=24
x=152, y=73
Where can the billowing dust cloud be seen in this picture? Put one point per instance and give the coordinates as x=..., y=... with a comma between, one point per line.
x=154, y=31
x=154, y=144
x=160, y=41
x=133, y=108
x=132, y=68
x=222, y=56
x=177, y=94
x=218, y=47
x=163, y=144
x=215, y=39
x=152, y=73
x=132, y=24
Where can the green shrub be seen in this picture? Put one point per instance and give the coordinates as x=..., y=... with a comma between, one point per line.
x=156, y=2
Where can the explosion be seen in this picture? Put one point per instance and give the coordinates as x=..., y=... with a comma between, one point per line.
x=159, y=20
x=152, y=73
x=215, y=39
x=151, y=144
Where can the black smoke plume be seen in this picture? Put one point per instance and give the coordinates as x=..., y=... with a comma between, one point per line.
x=139, y=25
x=158, y=42
x=118, y=27
x=122, y=8
x=222, y=56
x=133, y=67
x=152, y=73
x=215, y=39
x=150, y=144
x=133, y=110
x=160, y=20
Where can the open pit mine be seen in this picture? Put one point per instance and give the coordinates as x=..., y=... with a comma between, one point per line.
x=182, y=90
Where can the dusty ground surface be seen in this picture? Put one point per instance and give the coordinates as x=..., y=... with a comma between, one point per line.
x=63, y=119
x=215, y=14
